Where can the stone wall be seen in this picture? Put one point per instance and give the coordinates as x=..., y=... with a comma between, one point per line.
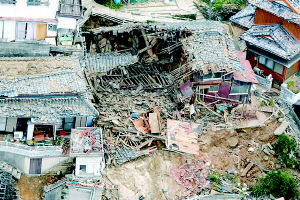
x=18, y=49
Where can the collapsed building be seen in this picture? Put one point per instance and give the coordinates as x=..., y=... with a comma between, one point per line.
x=184, y=67
x=198, y=60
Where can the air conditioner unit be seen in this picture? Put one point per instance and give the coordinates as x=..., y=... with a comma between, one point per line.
x=18, y=135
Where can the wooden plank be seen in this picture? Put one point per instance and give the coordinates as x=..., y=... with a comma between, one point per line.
x=248, y=167
x=283, y=126
x=154, y=123
x=41, y=31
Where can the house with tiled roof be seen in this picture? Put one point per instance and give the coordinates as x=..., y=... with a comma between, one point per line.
x=272, y=36
x=41, y=100
x=47, y=94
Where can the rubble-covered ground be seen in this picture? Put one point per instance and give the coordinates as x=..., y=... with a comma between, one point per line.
x=226, y=151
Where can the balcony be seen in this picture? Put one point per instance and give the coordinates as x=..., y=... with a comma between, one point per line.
x=30, y=151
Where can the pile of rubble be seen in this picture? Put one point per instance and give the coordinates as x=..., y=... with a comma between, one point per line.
x=177, y=88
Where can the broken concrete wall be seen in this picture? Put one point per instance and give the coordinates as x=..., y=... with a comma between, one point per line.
x=288, y=96
x=15, y=160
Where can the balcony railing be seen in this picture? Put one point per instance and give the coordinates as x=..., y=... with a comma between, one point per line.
x=30, y=151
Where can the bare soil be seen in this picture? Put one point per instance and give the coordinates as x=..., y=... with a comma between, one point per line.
x=31, y=188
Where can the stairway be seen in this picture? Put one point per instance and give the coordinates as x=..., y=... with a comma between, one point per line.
x=63, y=167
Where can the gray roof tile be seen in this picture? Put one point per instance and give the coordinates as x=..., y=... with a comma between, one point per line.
x=244, y=18
x=274, y=39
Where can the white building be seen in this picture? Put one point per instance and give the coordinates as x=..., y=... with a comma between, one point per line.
x=87, y=147
x=38, y=20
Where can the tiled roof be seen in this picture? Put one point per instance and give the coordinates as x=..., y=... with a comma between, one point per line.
x=274, y=39
x=278, y=9
x=211, y=51
x=63, y=82
x=46, y=109
x=16, y=67
x=295, y=3
x=195, y=26
x=106, y=61
x=244, y=18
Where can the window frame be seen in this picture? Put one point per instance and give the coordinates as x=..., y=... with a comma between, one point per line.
x=50, y=27
x=37, y=3
x=282, y=67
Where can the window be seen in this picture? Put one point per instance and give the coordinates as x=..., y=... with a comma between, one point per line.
x=213, y=75
x=26, y=31
x=82, y=168
x=37, y=2
x=262, y=60
x=278, y=68
x=52, y=27
x=8, y=1
x=270, y=64
x=69, y=123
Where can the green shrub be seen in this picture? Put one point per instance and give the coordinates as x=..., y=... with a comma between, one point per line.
x=286, y=149
x=114, y=5
x=291, y=84
x=277, y=183
x=271, y=102
x=215, y=178
x=262, y=104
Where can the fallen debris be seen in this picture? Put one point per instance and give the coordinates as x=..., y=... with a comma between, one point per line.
x=246, y=170
x=280, y=130
x=192, y=176
x=183, y=136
